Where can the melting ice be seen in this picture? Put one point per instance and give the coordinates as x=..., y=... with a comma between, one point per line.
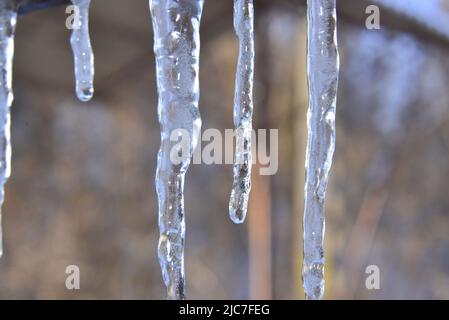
x=82, y=51
x=243, y=109
x=176, y=46
x=8, y=19
x=322, y=71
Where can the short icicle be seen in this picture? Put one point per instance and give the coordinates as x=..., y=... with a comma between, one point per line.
x=8, y=19
x=323, y=70
x=82, y=51
x=176, y=46
x=243, y=109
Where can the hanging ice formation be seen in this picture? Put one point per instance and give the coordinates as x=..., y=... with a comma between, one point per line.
x=82, y=51
x=323, y=69
x=176, y=46
x=8, y=19
x=243, y=109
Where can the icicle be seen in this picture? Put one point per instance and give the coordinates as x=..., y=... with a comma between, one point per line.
x=82, y=52
x=8, y=19
x=243, y=109
x=323, y=69
x=176, y=46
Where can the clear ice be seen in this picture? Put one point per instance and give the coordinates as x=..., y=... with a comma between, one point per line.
x=82, y=52
x=8, y=19
x=322, y=71
x=243, y=109
x=176, y=27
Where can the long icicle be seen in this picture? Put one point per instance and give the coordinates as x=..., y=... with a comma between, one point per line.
x=8, y=19
x=176, y=46
x=322, y=69
x=243, y=109
x=82, y=52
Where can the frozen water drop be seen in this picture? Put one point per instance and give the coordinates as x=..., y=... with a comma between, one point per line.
x=84, y=91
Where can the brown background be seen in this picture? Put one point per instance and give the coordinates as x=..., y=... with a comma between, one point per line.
x=82, y=186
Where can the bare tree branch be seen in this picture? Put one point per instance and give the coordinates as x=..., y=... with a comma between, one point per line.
x=352, y=11
x=26, y=6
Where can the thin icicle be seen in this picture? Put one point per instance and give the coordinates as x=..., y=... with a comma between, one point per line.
x=243, y=109
x=82, y=52
x=323, y=69
x=176, y=46
x=8, y=19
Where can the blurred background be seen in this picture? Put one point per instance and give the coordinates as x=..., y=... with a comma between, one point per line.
x=82, y=186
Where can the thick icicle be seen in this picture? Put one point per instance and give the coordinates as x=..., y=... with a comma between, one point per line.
x=323, y=69
x=82, y=52
x=176, y=46
x=8, y=19
x=243, y=109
